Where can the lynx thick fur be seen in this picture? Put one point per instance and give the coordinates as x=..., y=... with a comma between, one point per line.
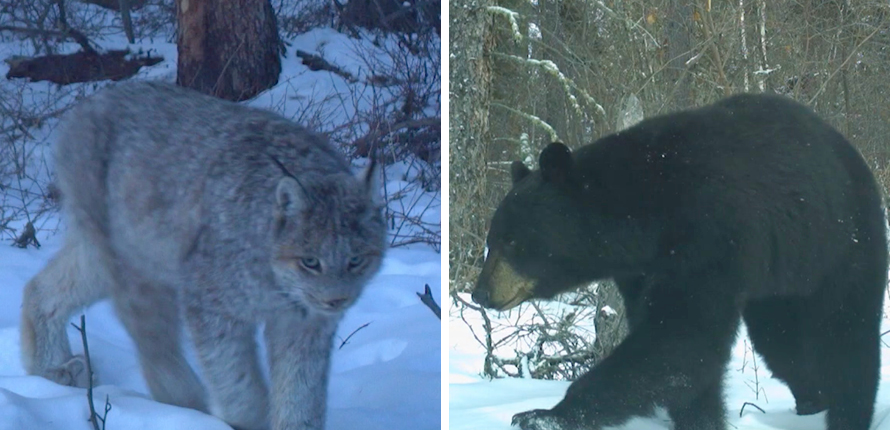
x=186, y=208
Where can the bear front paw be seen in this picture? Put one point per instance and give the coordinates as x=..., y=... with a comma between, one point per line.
x=538, y=419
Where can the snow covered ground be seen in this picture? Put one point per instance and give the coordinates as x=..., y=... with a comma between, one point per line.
x=387, y=376
x=477, y=403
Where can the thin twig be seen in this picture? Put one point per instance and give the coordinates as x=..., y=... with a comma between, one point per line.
x=844, y=64
x=78, y=37
x=107, y=409
x=742, y=411
x=94, y=417
x=342, y=344
x=386, y=129
x=32, y=31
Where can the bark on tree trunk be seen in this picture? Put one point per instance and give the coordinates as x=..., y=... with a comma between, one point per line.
x=227, y=48
x=470, y=94
x=679, y=37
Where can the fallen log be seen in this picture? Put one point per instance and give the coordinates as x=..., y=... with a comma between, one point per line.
x=79, y=67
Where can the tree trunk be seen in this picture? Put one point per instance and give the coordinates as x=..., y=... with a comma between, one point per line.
x=679, y=38
x=470, y=85
x=470, y=92
x=227, y=48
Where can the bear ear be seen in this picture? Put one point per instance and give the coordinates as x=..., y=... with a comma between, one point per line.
x=556, y=162
x=519, y=171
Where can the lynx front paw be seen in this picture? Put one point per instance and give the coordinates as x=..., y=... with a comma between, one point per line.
x=538, y=419
x=72, y=373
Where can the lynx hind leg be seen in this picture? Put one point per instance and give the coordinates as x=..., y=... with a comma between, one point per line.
x=73, y=279
x=150, y=311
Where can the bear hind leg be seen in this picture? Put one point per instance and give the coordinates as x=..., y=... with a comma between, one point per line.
x=73, y=279
x=777, y=329
x=847, y=343
x=707, y=411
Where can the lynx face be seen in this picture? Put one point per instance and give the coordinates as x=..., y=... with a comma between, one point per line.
x=329, y=239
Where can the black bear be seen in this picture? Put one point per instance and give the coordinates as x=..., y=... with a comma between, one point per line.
x=750, y=208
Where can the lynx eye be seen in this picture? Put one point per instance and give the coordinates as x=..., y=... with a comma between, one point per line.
x=311, y=264
x=356, y=262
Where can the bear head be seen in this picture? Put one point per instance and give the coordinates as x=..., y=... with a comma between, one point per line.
x=538, y=235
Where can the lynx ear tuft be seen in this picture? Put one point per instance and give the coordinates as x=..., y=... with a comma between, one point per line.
x=370, y=177
x=289, y=196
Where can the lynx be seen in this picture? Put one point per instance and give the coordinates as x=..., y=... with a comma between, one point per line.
x=188, y=209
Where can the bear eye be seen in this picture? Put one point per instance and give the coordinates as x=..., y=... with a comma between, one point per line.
x=356, y=262
x=311, y=264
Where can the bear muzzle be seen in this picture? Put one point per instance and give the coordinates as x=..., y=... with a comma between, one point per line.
x=499, y=286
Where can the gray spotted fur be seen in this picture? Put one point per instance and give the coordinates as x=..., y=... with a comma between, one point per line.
x=177, y=209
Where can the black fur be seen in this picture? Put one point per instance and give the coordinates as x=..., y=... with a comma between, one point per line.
x=752, y=206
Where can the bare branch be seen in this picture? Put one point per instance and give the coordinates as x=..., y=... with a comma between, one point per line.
x=742, y=411
x=78, y=37
x=429, y=301
x=32, y=31
x=94, y=417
